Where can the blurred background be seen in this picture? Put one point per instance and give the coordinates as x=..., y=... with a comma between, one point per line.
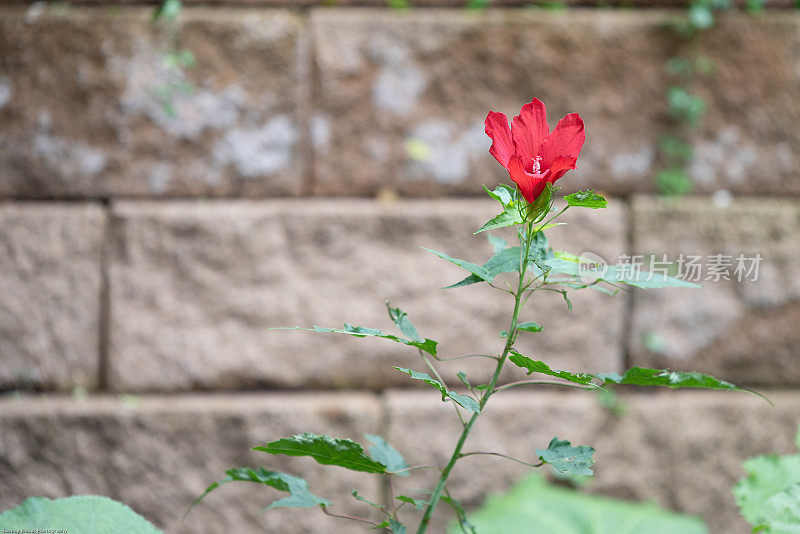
x=175, y=179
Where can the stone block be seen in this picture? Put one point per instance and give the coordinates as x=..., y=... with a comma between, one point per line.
x=742, y=328
x=195, y=286
x=157, y=454
x=93, y=103
x=400, y=98
x=50, y=291
x=683, y=450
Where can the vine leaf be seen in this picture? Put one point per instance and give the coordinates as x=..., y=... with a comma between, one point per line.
x=325, y=450
x=427, y=345
x=465, y=401
x=567, y=459
x=300, y=496
x=385, y=454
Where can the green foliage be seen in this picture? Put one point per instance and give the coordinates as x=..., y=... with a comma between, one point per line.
x=535, y=507
x=536, y=366
x=299, y=495
x=168, y=10
x=685, y=106
x=358, y=497
x=465, y=401
x=769, y=496
x=674, y=181
x=85, y=514
x=640, y=376
x=567, y=459
x=505, y=261
x=397, y=527
x=477, y=270
x=325, y=450
x=428, y=345
x=400, y=318
x=385, y=454
x=418, y=504
x=676, y=149
x=529, y=326
x=586, y=199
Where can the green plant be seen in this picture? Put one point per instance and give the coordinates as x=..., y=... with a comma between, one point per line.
x=535, y=507
x=535, y=158
x=85, y=514
x=769, y=496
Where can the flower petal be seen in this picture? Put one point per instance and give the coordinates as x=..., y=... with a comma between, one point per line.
x=559, y=167
x=566, y=139
x=496, y=127
x=530, y=185
x=528, y=129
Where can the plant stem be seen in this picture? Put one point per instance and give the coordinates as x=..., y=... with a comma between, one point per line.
x=512, y=334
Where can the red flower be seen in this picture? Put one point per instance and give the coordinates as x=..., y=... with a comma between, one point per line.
x=532, y=154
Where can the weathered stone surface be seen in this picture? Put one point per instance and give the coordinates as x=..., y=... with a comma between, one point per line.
x=401, y=97
x=158, y=454
x=744, y=331
x=86, y=97
x=683, y=450
x=50, y=283
x=195, y=286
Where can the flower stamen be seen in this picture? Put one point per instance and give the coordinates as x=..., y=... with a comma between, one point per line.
x=537, y=165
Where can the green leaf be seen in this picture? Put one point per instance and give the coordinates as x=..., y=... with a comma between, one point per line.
x=781, y=512
x=640, y=376
x=581, y=271
x=400, y=318
x=535, y=507
x=299, y=496
x=465, y=401
x=586, y=199
x=168, y=9
x=477, y=270
x=325, y=450
x=504, y=194
x=509, y=217
x=419, y=504
x=567, y=459
x=428, y=345
x=536, y=366
x=358, y=497
x=529, y=326
x=507, y=261
x=385, y=454
x=397, y=527
x=85, y=514
x=767, y=476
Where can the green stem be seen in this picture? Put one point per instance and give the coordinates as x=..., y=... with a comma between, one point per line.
x=512, y=334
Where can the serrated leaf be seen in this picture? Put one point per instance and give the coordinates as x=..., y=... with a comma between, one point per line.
x=428, y=345
x=780, y=513
x=465, y=401
x=567, y=459
x=586, y=199
x=509, y=217
x=300, y=496
x=536, y=366
x=385, y=454
x=640, y=376
x=358, y=497
x=767, y=476
x=477, y=270
x=85, y=514
x=505, y=261
x=400, y=318
x=325, y=450
x=419, y=504
x=573, y=266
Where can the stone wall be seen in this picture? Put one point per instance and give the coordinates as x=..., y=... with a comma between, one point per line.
x=155, y=221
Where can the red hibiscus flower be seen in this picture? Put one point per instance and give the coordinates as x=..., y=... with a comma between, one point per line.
x=533, y=155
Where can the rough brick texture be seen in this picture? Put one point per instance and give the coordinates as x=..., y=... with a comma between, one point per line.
x=157, y=454
x=743, y=331
x=401, y=98
x=50, y=295
x=85, y=98
x=194, y=287
x=683, y=450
